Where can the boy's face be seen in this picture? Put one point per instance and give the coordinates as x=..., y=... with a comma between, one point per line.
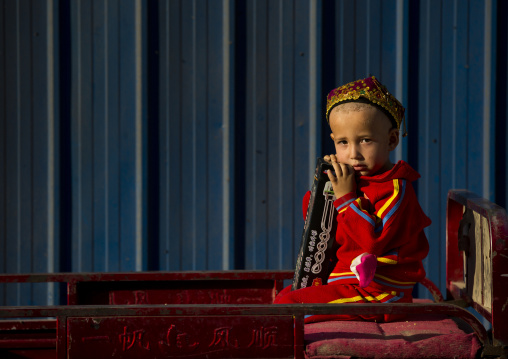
x=363, y=139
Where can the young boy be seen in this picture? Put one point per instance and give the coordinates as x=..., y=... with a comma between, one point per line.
x=380, y=222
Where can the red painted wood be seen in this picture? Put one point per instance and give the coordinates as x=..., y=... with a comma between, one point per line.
x=28, y=325
x=61, y=335
x=498, y=223
x=195, y=336
x=433, y=289
x=220, y=287
x=277, y=275
x=28, y=338
x=294, y=310
x=454, y=262
x=246, y=291
x=31, y=353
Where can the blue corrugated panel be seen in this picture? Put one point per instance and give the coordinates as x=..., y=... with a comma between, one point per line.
x=256, y=130
x=187, y=201
x=454, y=139
x=133, y=135
x=3, y=158
x=366, y=43
x=475, y=106
x=217, y=140
x=19, y=151
x=501, y=107
x=196, y=137
x=429, y=105
x=452, y=46
x=81, y=137
x=278, y=123
x=44, y=150
x=306, y=143
x=283, y=229
x=171, y=170
x=28, y=142
x=106, y=115
x=108, y=136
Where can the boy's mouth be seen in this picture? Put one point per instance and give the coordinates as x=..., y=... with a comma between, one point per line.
x=359, y=168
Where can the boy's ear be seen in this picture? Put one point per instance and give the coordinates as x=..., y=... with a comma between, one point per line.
x=393, y=139
x=332, y=137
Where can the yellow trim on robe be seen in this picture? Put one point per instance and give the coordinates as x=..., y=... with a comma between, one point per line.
x=375, y=275
x=391, y=280
x=339, y=274
x=359, y=297
x=396, y=190
x=387, y=260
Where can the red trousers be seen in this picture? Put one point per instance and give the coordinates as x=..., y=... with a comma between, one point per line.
x=344, y=293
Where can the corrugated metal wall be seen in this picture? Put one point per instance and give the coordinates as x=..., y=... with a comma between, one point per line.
x=196, y=152
x=456, y=118
x=181, y=135
x=107, y=135
x=29, y=146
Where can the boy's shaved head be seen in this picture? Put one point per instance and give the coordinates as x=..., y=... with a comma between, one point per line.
x=352, y=106
x=357, y=106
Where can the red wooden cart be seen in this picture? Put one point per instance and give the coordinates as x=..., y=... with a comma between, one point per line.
x=231, y=315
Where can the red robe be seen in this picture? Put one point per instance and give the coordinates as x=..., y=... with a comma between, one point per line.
x=383, y=218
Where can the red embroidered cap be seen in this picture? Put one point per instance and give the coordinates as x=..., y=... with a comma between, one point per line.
x=373, y=91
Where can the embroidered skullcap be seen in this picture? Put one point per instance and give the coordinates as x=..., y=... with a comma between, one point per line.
x=373, y=91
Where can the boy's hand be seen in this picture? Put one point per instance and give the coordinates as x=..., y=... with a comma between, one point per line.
x=344, y=180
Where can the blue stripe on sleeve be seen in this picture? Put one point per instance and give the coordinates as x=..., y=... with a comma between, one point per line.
x=345, y=204
x=363, y=215
x=339, y=278
x=394, y=299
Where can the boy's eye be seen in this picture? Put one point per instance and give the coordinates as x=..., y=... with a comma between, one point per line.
x=343, y=142
x=365, y=140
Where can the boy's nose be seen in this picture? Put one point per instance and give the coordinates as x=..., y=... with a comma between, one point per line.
x=354, y=153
